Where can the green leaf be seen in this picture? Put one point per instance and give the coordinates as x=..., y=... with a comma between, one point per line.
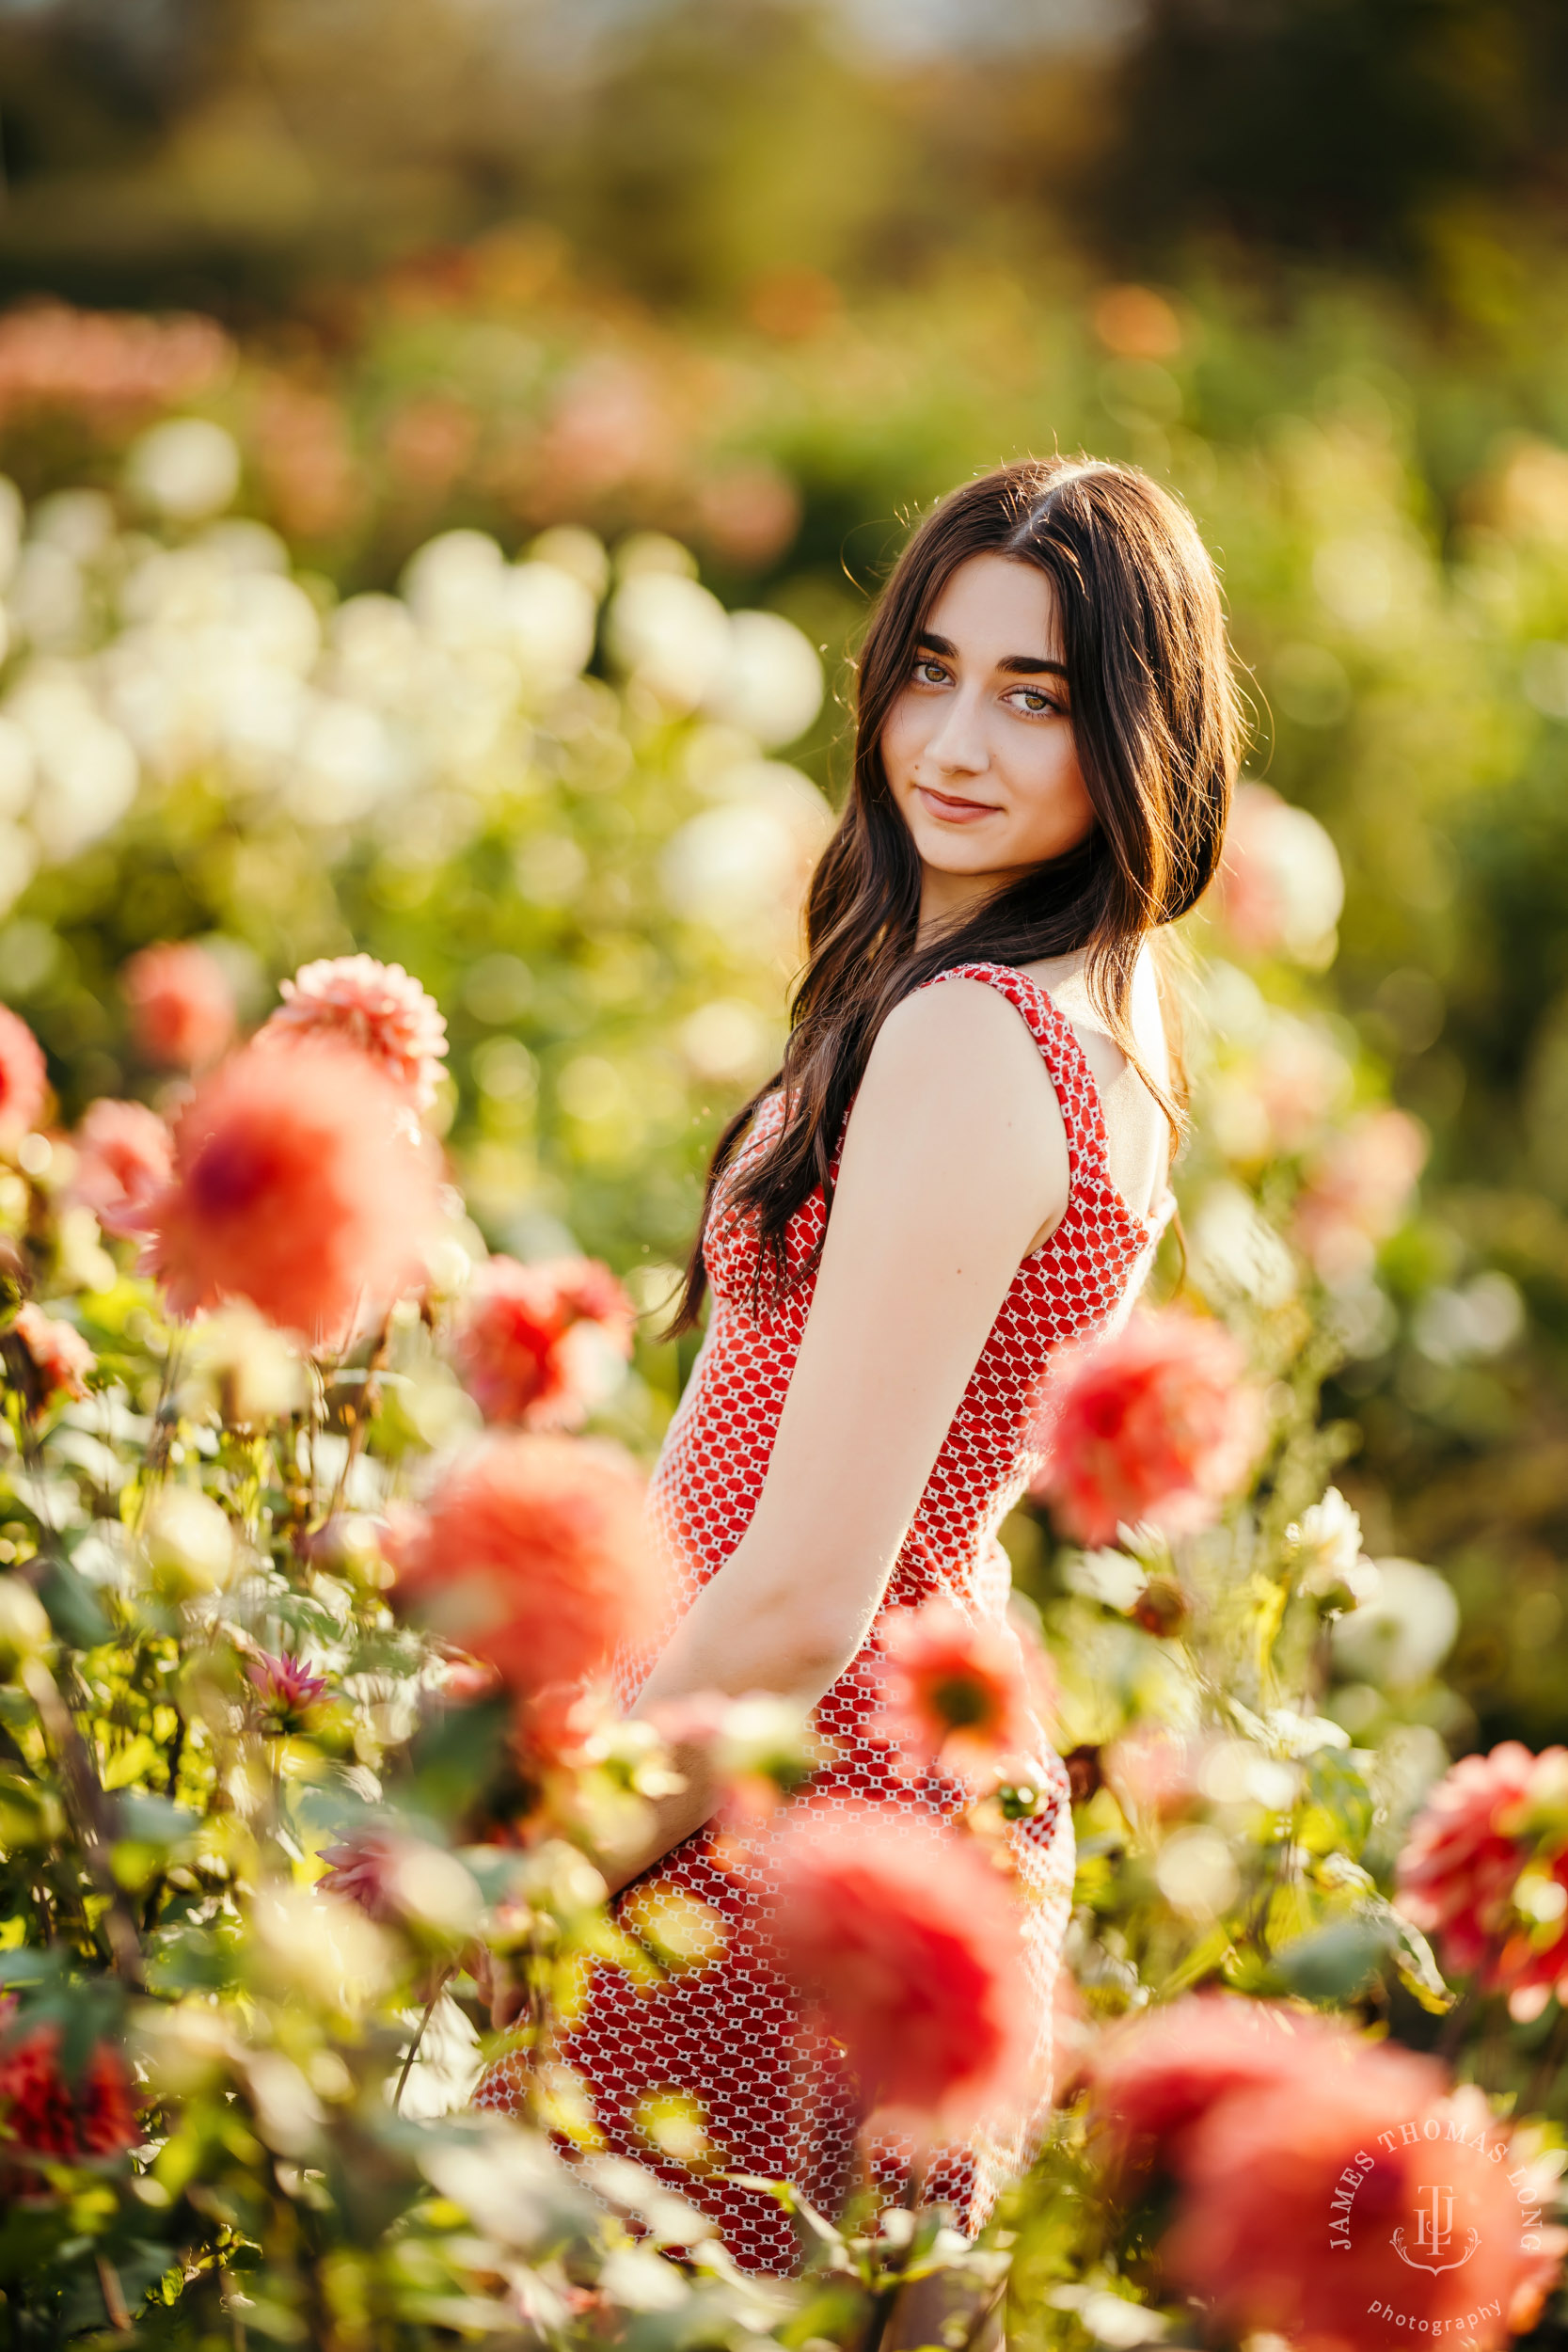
x=1338, y=1811
x=153, y=1822
x=74, y=1608
x=1333, y=1961
x=31, y=1964
x=1206, y=1957
x=1413, y=1956
x=454, y=1752
x=137, y=1758
x=785, y=2194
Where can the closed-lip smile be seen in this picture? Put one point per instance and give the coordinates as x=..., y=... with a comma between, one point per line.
x=949, y=804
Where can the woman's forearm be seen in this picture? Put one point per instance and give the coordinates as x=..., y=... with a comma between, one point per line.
x=731, y=1642
x=668, y=1819
x=771, y=1620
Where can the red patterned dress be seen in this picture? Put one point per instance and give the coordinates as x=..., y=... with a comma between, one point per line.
x=773, y=2096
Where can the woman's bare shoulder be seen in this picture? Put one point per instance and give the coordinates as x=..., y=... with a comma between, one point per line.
x=960, y=1030
x=1137, y=1131
x=957, y=1098
x=1069, y=993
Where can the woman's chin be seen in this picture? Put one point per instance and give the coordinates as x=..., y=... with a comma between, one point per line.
x=956, y=852
x=964, y=862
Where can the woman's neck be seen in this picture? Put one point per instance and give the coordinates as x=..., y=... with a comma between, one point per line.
x=1056, y=971
x=948, y=899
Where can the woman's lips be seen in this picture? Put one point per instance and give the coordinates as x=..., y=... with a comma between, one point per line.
x=951, y=811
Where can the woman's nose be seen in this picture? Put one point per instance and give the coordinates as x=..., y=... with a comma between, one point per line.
x=958, y=740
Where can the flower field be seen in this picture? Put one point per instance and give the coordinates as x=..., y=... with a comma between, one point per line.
x=403, y=812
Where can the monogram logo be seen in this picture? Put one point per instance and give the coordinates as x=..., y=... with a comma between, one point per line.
x=1435, y=2232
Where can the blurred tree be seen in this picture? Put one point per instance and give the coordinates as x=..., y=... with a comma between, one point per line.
x=690, y=148
x=728, y=138
x=1330, y=125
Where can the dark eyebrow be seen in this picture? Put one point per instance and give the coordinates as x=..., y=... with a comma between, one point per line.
x=1025, y=665
x=1015, y=665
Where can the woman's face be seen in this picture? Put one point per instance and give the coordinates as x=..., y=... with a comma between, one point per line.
x=979, y=749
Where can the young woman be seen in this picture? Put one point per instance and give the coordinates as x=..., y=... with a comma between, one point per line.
x=961, y=1163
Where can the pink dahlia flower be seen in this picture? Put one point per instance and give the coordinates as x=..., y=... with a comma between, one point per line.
x=1281, y=889
x=1356, y=2203
x=515, y=1342
x=532, y=1556
x=953, y=1693
x=1357, y=1191
x=1488, y=1819
x=1299, y=1078
x=404, y=1881
x=1151, y=1771
x=23, y=1078
x=1157, y=1422
x=297, y=1185
x=183, y=1013
x=361, y=1871
x=286, y=1684
x=378, y=1008
x=369, y=1870
x=907, y=1940
x=124, y=1153
x=59, y=1356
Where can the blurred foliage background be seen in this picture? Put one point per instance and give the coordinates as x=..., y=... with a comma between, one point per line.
x=760, y=278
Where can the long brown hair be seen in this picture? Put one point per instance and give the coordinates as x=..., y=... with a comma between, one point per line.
x=1157, y=728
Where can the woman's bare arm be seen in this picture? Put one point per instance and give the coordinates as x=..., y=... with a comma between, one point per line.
x=954, y=1160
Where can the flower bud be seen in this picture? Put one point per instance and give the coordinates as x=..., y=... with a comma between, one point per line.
x=188, y=1543
x=318, y=1948
x=24, y=1628
x=186, y=2047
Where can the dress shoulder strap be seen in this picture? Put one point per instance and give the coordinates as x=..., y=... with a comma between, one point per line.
x=1064, y=1058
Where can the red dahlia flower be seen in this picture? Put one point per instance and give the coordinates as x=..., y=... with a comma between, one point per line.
x=518, y=1341
x=59, y=1356
x=530, y=1555
x=377, y=1007
x=182, y=1011
x=1156, y=1423
x=1280, y=2127
x=1487, y=1823
x=124, y=1153
x=1154, y=2075
x=297, y=1185
x=45, y=2114
x=1356, y=2201
x=23, y=1078
x=955, y=1693
x=909, y=1942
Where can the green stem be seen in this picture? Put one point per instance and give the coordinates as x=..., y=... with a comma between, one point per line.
x=113, y=2297
x=156, y=1461
x=1541, y=2082
x=884, y=2301
x=92, y=1817
x=988, y=2304
x=428, y=2012
x=374, y=1363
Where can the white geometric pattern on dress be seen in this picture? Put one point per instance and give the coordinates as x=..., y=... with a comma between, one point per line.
x=774, y=2097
